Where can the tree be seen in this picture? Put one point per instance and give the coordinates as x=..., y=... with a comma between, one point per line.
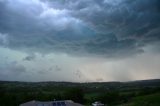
x=75, y=94
x=111, y=97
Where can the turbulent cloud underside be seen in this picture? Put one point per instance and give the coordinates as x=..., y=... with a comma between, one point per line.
x=90, y=40
x=81, y=27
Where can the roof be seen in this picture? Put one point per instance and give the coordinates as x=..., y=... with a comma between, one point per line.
x=51, y=103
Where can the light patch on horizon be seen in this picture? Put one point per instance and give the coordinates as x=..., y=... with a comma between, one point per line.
x=78, y=69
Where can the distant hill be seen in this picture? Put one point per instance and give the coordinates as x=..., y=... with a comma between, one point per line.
x=91, y=85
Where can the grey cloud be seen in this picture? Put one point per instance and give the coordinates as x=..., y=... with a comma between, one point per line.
x=30, y=57
x=57, y=68
x=126, y=20
x=85, y=27
x=99, y=79
x=18, y=69
x=78, y=73
x=10, y=70
x=3, y=39
x=50, y=69
x=42, y=72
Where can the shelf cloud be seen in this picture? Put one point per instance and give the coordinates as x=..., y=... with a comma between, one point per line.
x=105, y=29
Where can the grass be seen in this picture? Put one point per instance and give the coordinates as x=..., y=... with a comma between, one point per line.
x=147, y=100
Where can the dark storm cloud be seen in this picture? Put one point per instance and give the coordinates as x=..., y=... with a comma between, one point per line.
x=128, y=19
x=81, y=27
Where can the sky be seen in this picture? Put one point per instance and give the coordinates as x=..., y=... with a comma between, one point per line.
x=79, y=40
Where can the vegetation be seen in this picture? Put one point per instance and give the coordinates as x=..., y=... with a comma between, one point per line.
x=137, y=93
x=147, y=100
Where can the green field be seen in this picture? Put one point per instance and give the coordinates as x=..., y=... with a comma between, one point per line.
x=136, y=93
x=147, y=100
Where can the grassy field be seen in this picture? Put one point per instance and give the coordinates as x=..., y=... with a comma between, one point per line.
x=147, y=100
x=136, y=93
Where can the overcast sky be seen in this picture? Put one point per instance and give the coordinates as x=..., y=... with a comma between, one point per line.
x=79, y=40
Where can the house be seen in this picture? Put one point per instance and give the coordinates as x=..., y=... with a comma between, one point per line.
x=51, y=103
x=97, y=103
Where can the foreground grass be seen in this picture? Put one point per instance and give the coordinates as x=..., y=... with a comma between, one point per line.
x=147, y=100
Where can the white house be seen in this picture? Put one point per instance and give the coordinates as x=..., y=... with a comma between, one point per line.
x=51, y=103
x=97, y=104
